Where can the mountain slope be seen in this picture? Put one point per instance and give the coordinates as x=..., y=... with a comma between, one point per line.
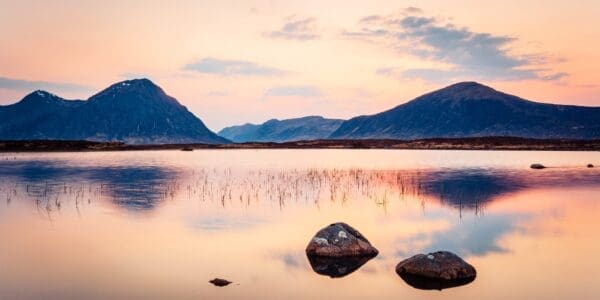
x=469, y=109
x=134, y=111
x=37, y=116
x=306, y=128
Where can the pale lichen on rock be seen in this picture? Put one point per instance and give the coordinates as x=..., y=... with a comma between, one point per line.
x=340, y=240
x=437, y=270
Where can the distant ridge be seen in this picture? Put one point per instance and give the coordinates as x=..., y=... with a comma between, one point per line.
x=305, y=128
x=133, y=111
x=470, y=109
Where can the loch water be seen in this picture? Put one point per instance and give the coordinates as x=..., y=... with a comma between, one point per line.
x=161, y=224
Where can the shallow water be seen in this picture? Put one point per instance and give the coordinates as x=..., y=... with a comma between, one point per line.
x=161, y=224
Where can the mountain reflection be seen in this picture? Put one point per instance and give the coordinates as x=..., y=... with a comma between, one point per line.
x=130, y=187
x=469, y=188
x=142, y=187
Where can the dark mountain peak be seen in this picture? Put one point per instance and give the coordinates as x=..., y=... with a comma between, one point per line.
x=310, y=118
x=40, y=95
x=134, y=92
x=468, y=90
x=134, y=86
x=467, y=85
x=293, y=120
x=40, y=98
x=140, y=83
x=305, y=118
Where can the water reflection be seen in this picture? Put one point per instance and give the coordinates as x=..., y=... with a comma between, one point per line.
x=470, y=188
x=214, y=223
x=211, y=214
x=50, y=183
x=468, y=238
x=143, y=187
x=477, y=239
x=422, y=283
x=336, y=267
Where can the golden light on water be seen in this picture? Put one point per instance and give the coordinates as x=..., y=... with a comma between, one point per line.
x=112, y=246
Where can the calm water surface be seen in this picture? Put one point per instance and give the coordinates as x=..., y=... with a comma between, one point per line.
x=159, y=225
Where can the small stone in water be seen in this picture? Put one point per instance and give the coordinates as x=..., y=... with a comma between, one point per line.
x=220, y=282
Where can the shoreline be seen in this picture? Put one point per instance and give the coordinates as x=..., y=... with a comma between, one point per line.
x=475, y=143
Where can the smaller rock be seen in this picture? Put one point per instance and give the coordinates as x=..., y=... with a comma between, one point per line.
x=590, y=166
x=438, y=270
x=220, y=282
x=537, y=166
x=340, y=240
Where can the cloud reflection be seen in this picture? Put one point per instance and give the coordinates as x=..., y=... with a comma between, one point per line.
x=476, y=238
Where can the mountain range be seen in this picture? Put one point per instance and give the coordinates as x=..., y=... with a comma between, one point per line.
x=306, y=128
x=133, y=111
x=139, y=112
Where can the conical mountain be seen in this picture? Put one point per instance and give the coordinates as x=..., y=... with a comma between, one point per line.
x=470, y=109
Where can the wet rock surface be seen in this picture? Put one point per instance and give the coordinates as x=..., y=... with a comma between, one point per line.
x=220, y=282
x=340, y=240
x=437, y=270
x=336, y=267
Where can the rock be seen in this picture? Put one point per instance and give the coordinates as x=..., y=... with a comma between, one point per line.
x=220, y=282
x=538, y=166
x=438, y=270
x=336, y=267
x=590, y=166
x=340, y=240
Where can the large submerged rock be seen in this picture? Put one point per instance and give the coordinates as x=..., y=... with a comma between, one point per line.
x=438, y=270
x=340, y=240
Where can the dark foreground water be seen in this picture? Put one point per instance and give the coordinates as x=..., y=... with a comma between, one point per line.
x=160, y=225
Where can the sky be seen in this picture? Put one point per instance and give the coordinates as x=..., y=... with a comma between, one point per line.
x=233, y=62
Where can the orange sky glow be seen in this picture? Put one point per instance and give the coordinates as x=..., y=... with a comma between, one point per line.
x=232, y=62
